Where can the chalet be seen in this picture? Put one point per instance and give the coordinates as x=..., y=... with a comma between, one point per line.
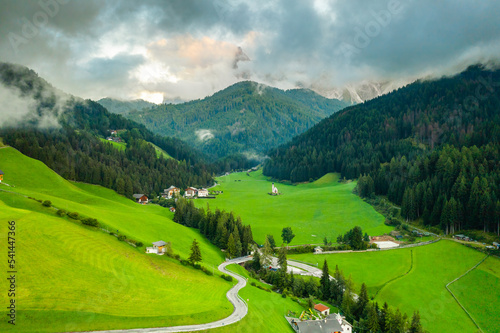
x=140, y=198
x=190, y=192
x=158, y=248
x=334, y=323
x=203, y=193
x=1, y=176
x=171, y=192
x=323, y=309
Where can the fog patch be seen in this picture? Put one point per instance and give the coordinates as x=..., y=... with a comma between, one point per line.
x=204, y=134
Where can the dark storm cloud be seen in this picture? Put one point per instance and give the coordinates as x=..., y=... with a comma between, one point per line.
x=90, y=47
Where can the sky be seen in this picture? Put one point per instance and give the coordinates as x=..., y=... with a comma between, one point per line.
x=188, y=49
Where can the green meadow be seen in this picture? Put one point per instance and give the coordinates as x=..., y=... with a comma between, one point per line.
x=315, y=210
x=479, y=293
x=429, y=269
x=81, y=278
x=117, y=145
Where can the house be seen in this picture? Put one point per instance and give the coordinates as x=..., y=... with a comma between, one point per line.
x=462, y=237
x=140, y=198
x=1, y=176
x=172, y=209
x=113, y=132
x=158, y=248
x=202, y=193
x=170, y=192
x=318, y=249
x=495, y=244
x=190, y=192
x=323, y=309
x=334, y=323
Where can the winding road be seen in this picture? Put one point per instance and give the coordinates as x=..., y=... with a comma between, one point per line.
x=240, y=307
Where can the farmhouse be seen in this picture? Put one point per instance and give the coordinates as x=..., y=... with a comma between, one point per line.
x=334, y=323
x=323, y=309
x=190, y=192
x=1, y=176
x=202, y=193
x=170, y=192
x=140, y=198
x=158, y=248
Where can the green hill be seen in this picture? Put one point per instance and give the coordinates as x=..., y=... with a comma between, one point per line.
x=246, y=117
x=81, y=277
x=325, y=208
x=429, y=268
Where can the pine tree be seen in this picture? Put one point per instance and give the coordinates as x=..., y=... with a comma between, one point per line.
x=362, y=301
x=195, y=255
x=416, y=326
x=372, y=319
x=256, y=265
x=266, y=253
x=237, y=242
x=325, y=282
x=231, y=248
x=282, y=259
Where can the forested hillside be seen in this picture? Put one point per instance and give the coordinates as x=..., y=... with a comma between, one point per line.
x=72, y=148
x=124, y=107
x=432, y=146
x=246, y=117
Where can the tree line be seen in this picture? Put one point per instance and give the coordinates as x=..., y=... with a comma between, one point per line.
x=220, y=227
x=426, y=146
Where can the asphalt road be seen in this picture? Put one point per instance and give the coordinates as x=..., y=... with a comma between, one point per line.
x=240, y=307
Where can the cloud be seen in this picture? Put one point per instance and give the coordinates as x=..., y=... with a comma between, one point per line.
x=204, y=134
x=191, y=48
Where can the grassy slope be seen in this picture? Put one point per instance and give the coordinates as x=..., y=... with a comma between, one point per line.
x=160, y=151
x=266, y=310
x=146, y=223
x=474, y=291
x=82, y=278
x=422, y=289
x=323, y=208
x=117, y=145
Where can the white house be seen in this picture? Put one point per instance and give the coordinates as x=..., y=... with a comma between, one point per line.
x=202, y=193
x=170, y=192
x=158, y=248
x=190, y=192
x=323, y=309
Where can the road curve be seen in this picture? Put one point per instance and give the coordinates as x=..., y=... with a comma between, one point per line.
x=240, y=308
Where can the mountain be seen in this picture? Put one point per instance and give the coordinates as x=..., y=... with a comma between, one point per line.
x=246, y=117
x=422, y=146
x=123, y=107
x=66, y=133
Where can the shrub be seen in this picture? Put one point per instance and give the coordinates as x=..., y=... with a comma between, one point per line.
x=61, y=212
x=47, y=203
x=227, y=277
x=253, y=284
x=139, y=244
x=91, y=222
x=122, y=238
x=74, y=215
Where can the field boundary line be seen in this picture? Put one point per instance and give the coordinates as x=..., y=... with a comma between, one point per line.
x=456, y=299
x=397, y=277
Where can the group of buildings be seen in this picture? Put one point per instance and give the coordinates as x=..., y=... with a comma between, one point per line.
x=172, y=192
x=329, y=323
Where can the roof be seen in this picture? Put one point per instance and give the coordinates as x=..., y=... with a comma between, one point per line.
x=1, y=172
x=317, y=326
x=172, y=187
x=159, y=243
x=137, y=196
x=203, y=189
x=321, y=307
x=386, y=244
x=191, y=188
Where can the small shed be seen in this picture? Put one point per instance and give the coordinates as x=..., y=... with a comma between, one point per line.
x=141, y=198
x=172, y=209
x=1, y=176
x=323, y=309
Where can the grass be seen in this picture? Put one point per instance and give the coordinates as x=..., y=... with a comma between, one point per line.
x=266, y=310
x=313, y=211
x=423, y=288
x=117, y=145
x=160, y=152
x=474, y=291
x=84, y=279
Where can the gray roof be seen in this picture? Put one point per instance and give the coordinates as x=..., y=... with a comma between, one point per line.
x=159, y=243
x=319, y=326
x=1, y=172
x=137, y=196
x=172, y=187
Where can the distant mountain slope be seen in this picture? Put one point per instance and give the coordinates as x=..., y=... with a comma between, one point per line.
x=63, y=132
x=432, y=146
x=246, y=117
x=123, y=107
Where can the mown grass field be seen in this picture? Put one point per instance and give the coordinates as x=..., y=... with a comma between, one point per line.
x=72, y=277
x=323, y=208
x=479, y=293
x=423, y=288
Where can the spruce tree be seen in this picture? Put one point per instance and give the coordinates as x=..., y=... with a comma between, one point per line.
x=195, y=255
x=325, y=282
